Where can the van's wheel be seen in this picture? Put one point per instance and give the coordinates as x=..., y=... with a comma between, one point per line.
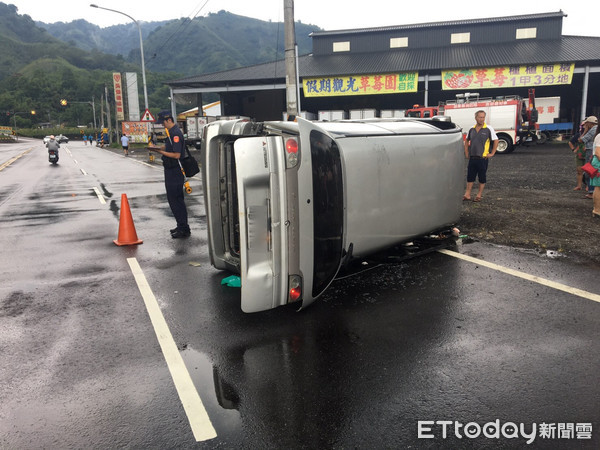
x=505, y=143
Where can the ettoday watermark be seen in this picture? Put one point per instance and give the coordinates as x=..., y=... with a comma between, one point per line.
x=430, y=429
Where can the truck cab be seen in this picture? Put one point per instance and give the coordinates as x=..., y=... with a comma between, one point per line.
x=422, y=112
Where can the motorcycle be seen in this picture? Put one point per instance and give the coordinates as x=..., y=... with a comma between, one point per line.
x=53, y=156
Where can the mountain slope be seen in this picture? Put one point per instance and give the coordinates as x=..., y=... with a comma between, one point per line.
x=115, y=40
x=219, y=41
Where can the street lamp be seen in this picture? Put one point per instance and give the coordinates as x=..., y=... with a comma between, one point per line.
x=32, y=112
x=141, y=48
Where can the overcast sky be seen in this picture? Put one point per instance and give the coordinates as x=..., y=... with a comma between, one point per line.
x=582, y=17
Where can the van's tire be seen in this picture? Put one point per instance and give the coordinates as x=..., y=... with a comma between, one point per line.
x=505, y=144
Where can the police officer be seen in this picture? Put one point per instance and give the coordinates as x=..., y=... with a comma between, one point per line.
x=173, y=149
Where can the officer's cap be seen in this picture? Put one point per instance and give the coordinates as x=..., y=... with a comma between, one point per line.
x=163, y=115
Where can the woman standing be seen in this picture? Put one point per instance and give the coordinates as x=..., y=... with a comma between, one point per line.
x=596, y=181
x=590, y=125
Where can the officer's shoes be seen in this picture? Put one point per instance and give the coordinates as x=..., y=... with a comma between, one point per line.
x=178, y=234
x=179, y=229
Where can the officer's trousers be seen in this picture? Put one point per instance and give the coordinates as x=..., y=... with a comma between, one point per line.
x=174, y=185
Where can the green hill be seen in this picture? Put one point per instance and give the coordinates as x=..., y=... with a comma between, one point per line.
x=217, y=42
x=39, y=68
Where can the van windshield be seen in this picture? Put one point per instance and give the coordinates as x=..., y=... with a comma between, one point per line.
x=328, y=209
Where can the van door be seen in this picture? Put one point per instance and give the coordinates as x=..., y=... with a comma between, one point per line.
x=263, y=244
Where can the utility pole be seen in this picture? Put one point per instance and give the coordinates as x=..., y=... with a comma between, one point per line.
x=102, y=111
x=291, y=72
x=107, y=113
x=94, y=109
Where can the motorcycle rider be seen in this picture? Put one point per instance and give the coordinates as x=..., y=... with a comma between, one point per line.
x=53, y=145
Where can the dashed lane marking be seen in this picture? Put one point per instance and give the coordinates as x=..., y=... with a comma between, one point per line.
x=192, y=404
x=12, y=160
x=83, y=171
x=100, y=196
x=516, y=273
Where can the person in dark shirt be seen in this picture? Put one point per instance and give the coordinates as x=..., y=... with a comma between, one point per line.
x=480, y=145
x=171, y=152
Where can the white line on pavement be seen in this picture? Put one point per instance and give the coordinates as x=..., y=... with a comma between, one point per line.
x=100, y=196
x=83, y=171
x=525, y=276
x=196, y=413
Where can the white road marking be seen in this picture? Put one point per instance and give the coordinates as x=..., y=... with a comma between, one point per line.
x=149, y=165
x=12, y=160
x=553, y=284
x=100, y=196
x=196, y=413
x=83, y=171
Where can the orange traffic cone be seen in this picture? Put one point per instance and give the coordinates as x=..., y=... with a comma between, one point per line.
x=127, y=234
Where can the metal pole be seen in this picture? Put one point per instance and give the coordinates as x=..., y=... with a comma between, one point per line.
x=116, y=127
x=291, y=75
x=107, y=113
x=173, y=105
x=586, y=80
x=141, y=48
x=102, y=111
x=426, y=99
x=297, y=79
x=94, y=110
x=143, y=66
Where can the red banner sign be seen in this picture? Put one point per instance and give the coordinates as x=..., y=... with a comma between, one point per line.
x=119, y=96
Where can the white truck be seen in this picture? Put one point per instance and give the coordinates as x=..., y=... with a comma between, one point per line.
x=504, y=114
x=193, y=128
x=548, y=114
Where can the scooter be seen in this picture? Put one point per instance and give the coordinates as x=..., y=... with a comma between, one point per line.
x=53, y=156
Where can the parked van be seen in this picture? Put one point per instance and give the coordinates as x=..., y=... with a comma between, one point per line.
x=289, y=203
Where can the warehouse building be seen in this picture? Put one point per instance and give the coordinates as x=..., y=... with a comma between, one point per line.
x=392, y=68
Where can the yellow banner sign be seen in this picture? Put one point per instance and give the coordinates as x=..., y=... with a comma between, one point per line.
x=508, y=77
x=388, y=83
x=6, y=130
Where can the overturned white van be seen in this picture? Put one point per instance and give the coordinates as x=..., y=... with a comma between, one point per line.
x=289, y=203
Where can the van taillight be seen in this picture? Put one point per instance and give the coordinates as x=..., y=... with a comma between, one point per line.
x=291, y=146
x=295, y=288
x=291, y=150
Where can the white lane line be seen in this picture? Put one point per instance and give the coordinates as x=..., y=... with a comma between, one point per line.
x=83, y=171
x=100, y=196
x=196, y=413
x=543, y=281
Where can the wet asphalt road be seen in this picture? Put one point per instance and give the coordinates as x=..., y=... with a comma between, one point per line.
x=433, y=339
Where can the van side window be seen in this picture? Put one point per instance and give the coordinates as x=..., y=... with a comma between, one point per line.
x=328, y=209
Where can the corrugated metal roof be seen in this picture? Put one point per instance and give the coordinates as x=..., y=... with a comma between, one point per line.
x=488, y=20
x=567, y=49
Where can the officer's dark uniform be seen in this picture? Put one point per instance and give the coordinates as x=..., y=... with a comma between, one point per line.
x=174, y=181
